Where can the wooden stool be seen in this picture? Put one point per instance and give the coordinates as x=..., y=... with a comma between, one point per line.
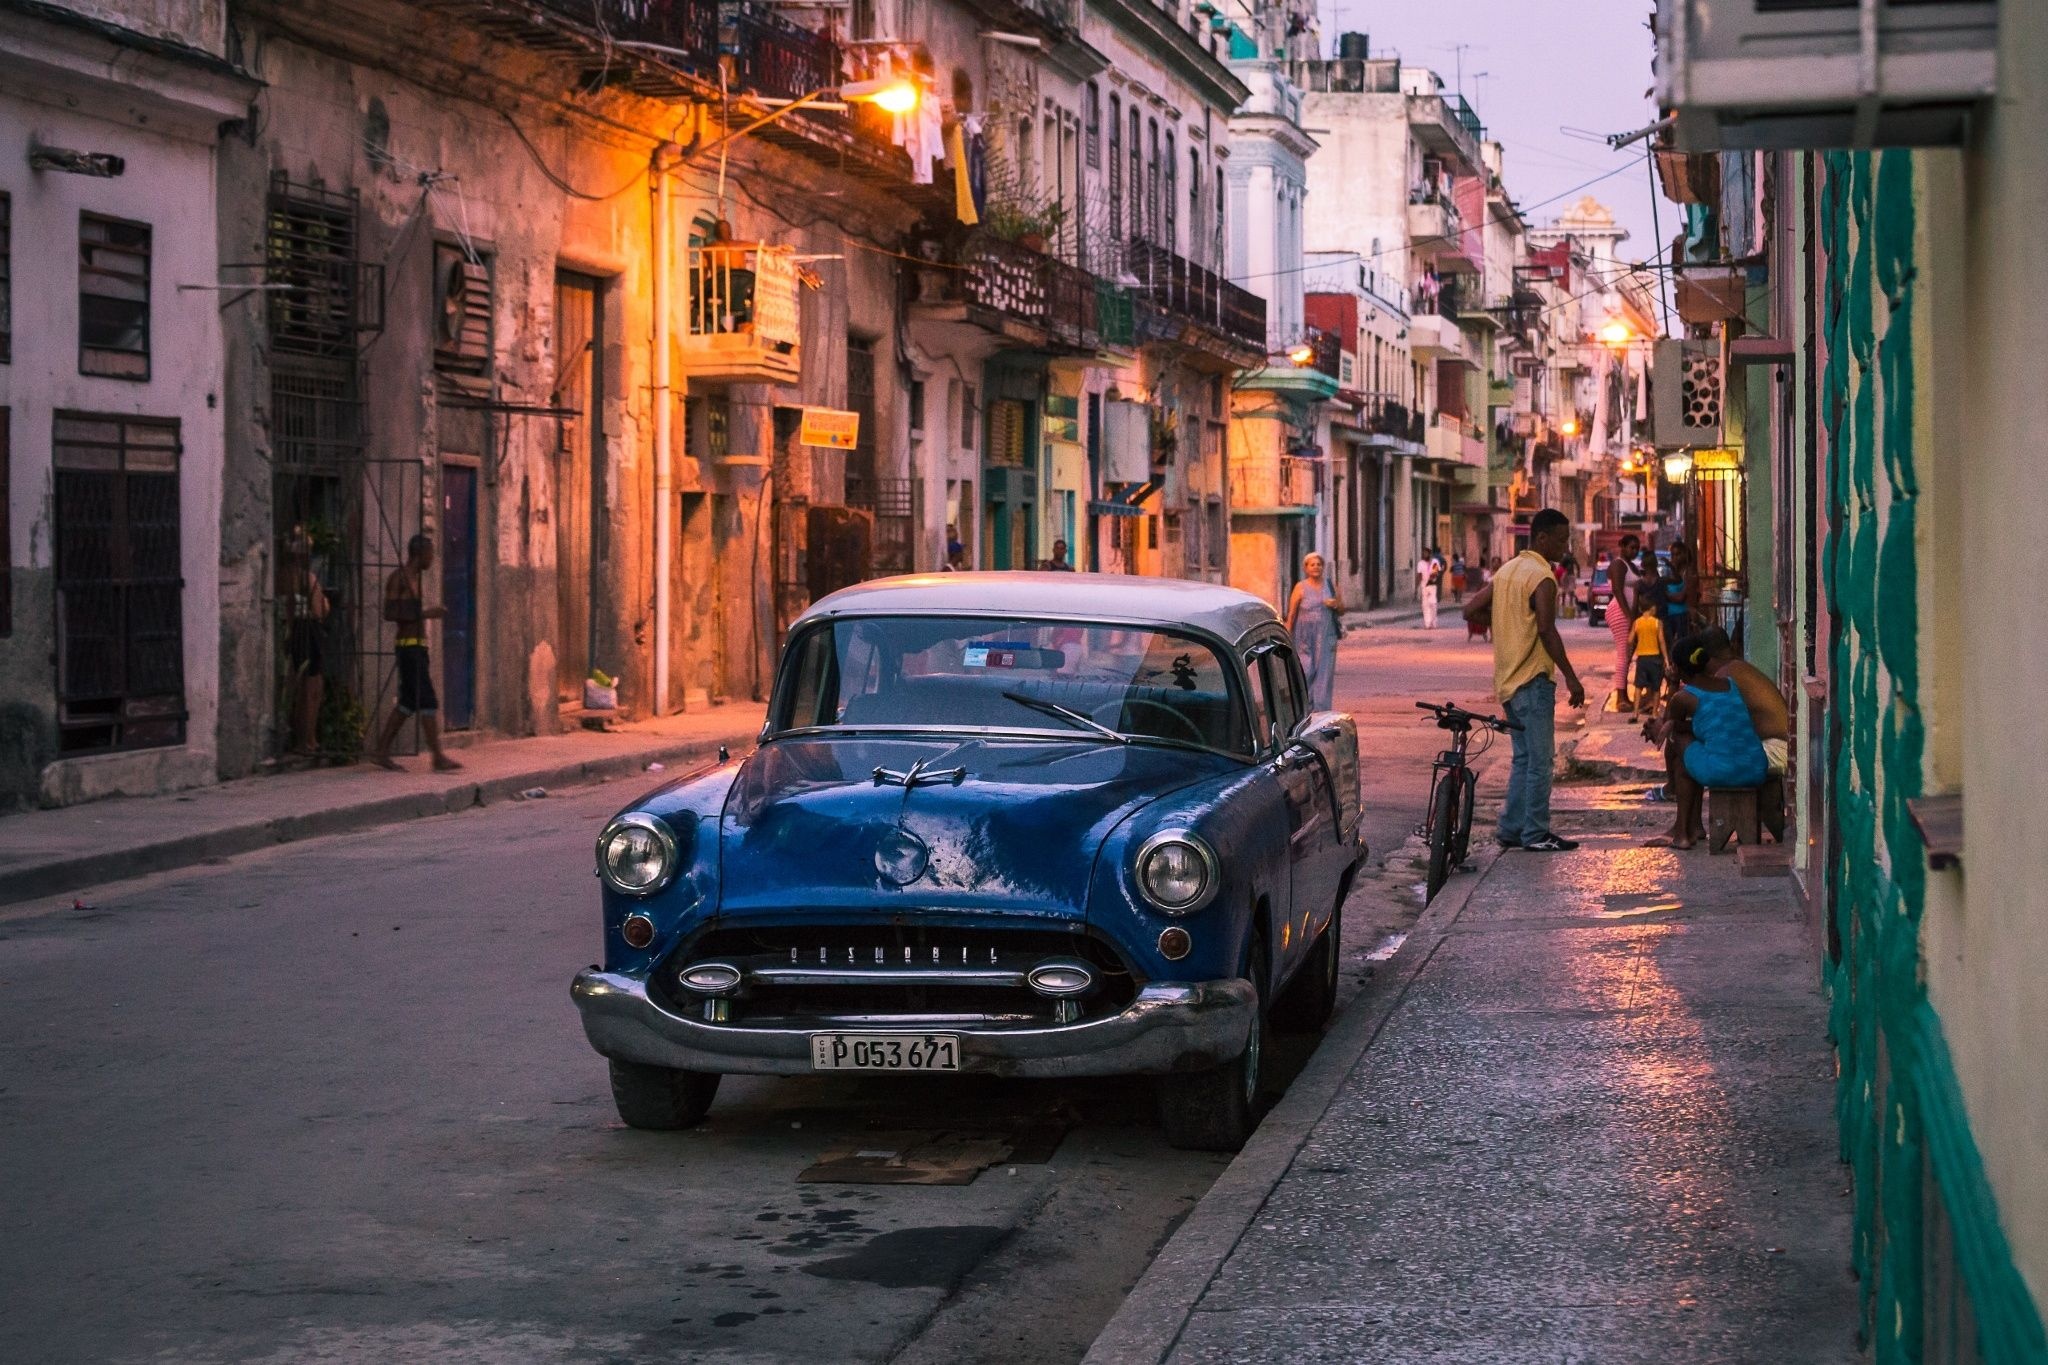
x=1732, y=814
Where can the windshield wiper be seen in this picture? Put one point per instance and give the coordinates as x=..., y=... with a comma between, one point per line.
x=1068, y=714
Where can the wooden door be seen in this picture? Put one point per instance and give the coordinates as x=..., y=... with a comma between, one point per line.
x=579, y=486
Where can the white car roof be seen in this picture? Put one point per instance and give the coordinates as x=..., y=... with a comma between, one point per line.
x=1125, y=599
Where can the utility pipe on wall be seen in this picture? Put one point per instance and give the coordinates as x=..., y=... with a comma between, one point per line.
x=664, y=463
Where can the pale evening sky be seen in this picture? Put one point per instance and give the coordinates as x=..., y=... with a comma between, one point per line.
x=1532, y=69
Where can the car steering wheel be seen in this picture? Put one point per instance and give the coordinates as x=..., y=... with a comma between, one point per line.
x=1116, y=708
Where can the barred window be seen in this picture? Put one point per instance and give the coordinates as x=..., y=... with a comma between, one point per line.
x=6, y=279
x=1094, y=130
x=113, y=297
x=120, y=609
x=1116, y=170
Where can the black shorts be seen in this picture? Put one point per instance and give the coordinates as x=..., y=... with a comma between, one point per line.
x=1649, y=672
x=304, y=648
x=415, y=682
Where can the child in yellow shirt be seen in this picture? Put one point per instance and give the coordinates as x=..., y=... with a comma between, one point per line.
x=1647, y=640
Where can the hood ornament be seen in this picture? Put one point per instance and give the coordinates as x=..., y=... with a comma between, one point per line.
x=900, y=856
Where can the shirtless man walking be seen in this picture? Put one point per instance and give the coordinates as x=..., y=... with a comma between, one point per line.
x=404, y=607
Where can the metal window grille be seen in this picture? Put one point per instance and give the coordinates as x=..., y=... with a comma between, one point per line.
x=120, y=617
x=893, y=503
x=860, y=398
x=1116, y=169
x=113, y=297
x=6, y=279
x=323, y=299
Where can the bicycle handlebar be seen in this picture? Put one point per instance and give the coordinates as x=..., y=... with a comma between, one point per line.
x=1449, y=715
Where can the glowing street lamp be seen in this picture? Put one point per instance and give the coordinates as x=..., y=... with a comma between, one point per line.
x=1301, y=354
x=1569, y=426
x=1616, y=333
x=1677, y=466
x=891, y=94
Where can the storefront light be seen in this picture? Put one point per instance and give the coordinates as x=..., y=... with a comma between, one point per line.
x=1677, y=466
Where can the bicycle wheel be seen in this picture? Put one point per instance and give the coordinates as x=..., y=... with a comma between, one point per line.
x=1461, y=838
x=1443, y=811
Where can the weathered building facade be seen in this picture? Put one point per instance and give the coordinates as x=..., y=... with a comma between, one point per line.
x=112, y=421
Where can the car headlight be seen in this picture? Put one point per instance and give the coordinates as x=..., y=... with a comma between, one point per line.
x=1176, y=871
x=636, y=854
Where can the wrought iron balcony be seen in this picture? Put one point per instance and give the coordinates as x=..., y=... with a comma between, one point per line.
x=1180, y=287
x=777, y=59
x=1009, y=285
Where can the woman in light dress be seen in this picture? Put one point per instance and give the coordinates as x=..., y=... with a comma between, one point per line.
x=1312, y=620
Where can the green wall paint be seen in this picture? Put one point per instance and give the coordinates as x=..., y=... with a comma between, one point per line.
x=1900, y=1106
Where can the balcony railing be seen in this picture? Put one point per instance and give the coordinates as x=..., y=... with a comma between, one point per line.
x=1386, y=417
x=775, y=58
x=1039, y=291
x=1275, y=481
x=1329, y=352
x=1180, y=287
x=688, y=28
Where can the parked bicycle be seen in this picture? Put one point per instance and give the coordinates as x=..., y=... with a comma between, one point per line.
x=1452, y=786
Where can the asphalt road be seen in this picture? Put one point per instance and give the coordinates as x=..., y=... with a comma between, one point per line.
x=330, y=1102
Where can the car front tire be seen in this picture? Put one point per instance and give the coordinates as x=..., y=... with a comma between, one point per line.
x=1216, y=1110
x=661, y=1098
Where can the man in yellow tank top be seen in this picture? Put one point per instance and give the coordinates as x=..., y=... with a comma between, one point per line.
x=1527, y=652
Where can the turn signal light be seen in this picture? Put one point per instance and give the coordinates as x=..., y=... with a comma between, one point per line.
x=638, y=931
x=1174, y=944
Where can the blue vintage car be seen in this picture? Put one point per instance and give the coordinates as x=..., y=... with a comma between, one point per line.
x=1027, y=824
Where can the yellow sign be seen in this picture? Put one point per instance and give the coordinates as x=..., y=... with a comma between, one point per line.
x=830, y=428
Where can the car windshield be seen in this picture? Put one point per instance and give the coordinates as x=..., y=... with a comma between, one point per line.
x=956, y=672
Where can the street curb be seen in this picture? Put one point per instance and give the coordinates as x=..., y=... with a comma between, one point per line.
x=168, y=855
x=1156, y=1311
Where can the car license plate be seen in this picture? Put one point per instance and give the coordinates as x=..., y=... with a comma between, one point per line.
x=885, y=1052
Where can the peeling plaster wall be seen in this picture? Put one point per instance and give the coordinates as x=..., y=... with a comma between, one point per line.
x=169, y=184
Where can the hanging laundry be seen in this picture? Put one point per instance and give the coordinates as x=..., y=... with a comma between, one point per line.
x=977, y=163
x=963, y=188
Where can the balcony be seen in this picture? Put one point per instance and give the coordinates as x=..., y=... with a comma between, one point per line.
x=587, y=33
x=1432, y=223
x=1184, y=290
x=742, y=322
x=1277, y=485
x=1442, y=124
x=1435, y=336
x=1006, y=288
x=1454, y=440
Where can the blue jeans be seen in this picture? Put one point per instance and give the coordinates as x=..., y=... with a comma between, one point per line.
x=1525, y=817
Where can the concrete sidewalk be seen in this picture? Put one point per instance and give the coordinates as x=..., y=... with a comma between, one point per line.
x=1584, y=1114
x=52, y=852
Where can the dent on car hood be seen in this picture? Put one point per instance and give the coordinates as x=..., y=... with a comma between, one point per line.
x=1016, y=832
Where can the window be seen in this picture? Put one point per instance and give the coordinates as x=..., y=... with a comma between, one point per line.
x=917, y=407
x=1116, y=169
x=113, y=297
x=6, y=280
x=1152, y=186
x=6, y=537
x=860, y=396
x=120, y=611
x=1094, y=130
x=1222, y=260
x=946, y=673
x=1137, y=186
x=1170, y=197
x=1195, y=205
x=1284, y=690
x=970, y=415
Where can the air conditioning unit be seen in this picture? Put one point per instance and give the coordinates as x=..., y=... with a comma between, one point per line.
x=1789, y=74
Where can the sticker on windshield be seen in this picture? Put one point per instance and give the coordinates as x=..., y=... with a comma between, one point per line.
x=995, y=654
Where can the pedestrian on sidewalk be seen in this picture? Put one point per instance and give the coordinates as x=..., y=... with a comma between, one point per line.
x=1313, y=622
x=1458, y=576
x=1527, y=654
x=1712, y=742
x=306, y=608
x=1621, y=615
x=1647, y=640
x=404, y=606
x=1429, y=571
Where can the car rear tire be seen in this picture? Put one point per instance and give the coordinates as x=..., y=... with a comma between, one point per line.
x=1311, y=998
x=659, y=1097
x=1216, y=1110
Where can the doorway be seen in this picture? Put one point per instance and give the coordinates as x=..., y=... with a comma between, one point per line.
x=579, y=478
x=458, y=595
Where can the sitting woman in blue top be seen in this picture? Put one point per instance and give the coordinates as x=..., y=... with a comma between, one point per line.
x=1711, y=740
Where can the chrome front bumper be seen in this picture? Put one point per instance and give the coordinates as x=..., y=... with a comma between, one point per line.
x=1168, y=1028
